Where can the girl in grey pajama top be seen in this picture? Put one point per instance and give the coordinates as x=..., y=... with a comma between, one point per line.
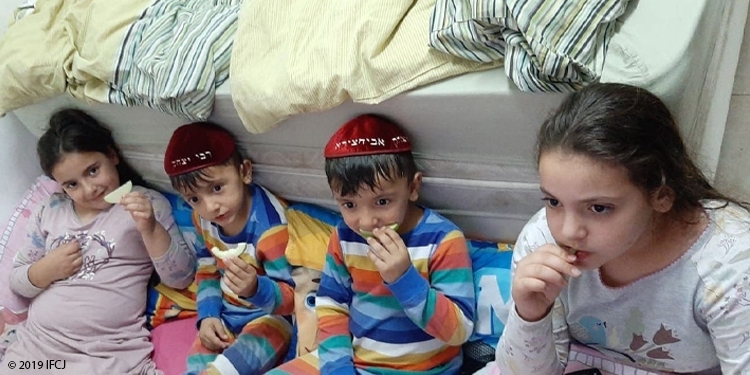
x=635, y=255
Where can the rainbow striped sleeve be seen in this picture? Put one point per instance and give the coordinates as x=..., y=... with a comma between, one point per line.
x=275, y=293
x=444, y=308
x=332, y=307
x=209, y=297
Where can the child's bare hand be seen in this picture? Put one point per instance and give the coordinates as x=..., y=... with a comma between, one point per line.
x=213, y=335
x=389, y=253
x=240, y=277
x=141, y=210
x=64, y=261
x=539, y=278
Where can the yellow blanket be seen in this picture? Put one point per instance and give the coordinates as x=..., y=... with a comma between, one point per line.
x=63, y=46
x=300, y=56
x=167, y=54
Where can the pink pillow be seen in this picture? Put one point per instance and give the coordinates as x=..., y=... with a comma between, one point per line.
x=14, y=236
x=8, y=324
x=13, y=307
x=172, y=341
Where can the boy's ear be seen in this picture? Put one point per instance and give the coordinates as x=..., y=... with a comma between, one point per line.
x=246, y=171
x=663, y=199
x=414, y=186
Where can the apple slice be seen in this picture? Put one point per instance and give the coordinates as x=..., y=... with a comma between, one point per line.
x=228, y=253
x=115, y=195
x=569, y=250
x=367, y=234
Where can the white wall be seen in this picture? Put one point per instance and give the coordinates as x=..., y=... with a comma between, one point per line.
x=18, y=163
x=733, y=173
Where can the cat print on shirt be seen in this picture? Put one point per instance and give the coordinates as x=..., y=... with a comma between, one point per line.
x=644, y=346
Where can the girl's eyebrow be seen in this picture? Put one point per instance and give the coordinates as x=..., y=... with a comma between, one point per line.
x=587, y=200
x=92, y=165
x=65, y=183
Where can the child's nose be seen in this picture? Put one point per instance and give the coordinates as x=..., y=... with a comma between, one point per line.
x=367, y=221
x=89, y=189
x=573, y=228
x=212, y=204
x=375, y=222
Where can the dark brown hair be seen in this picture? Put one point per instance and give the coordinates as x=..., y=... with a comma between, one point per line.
x=628, y=126
x=349, y=174
x=73, y=130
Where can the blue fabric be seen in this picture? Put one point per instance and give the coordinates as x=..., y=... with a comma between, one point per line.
x=491, y=263
x=183, y=216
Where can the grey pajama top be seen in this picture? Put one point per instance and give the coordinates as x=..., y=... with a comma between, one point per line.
x=691, y=317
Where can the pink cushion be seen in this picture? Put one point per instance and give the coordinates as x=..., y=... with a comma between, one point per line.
x=172, y=341
x=14, y=236
x=13, y=307
x=8, y=324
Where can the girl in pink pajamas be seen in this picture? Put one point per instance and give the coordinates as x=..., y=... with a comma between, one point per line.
x=87, y=262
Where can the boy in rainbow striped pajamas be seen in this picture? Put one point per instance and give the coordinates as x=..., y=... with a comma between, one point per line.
x=244, y=301
x=396, y=295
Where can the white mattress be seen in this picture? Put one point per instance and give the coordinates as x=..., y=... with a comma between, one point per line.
x=473, y=134
x=17, y=159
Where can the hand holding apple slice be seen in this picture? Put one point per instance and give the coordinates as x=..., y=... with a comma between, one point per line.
x=228, y=253
x=367, y=234
x=115, y=195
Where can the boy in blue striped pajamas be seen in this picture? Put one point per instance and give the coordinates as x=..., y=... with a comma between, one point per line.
x=244, y=301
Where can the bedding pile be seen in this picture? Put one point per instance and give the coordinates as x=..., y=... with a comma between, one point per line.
x=318, y=54
x=292, y=57
x=166, y=54
x=547, y=45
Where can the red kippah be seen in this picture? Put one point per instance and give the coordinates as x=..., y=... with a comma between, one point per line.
x=196, y=146
x=367, y=135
